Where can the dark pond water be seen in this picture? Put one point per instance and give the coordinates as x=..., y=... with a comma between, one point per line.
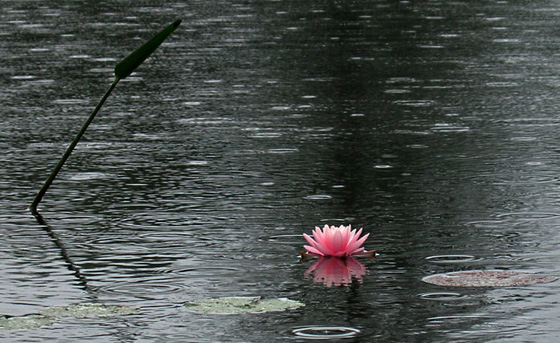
x=431, y=124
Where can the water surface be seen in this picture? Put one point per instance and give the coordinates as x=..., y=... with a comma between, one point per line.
x=432, y=125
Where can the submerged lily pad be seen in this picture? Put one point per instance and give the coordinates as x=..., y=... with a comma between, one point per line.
x=32, y=321
x=88, y=311
x=238, y=305
x=488, y=278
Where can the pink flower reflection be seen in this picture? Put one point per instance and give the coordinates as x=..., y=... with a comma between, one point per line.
x=336, y=271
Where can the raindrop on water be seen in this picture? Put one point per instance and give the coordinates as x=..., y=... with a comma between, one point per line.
x=326, y=332
x=450, y=259
x=441, y=296
x=318, y=197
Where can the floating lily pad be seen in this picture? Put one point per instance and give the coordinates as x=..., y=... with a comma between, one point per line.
x=88, y=311
x=238, y=305
x=49, y=315
x=488, y=278
x=24, y=322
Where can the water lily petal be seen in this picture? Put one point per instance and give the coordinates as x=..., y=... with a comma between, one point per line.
x=341, y=241
x=341, y=253
x=358, y=233
x=337, y=245
x=352, y=237
x=324, y=249
x=313, y=250
x=309, y=239
x=355, y=245
x=317, y=245
x=345, y=231
x=326, y=235
x=319, y=236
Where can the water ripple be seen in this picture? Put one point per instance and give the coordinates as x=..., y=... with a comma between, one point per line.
x=443, y=296
x=325, y=332
x=450, y=259
x=529, y=216
x=146, y=289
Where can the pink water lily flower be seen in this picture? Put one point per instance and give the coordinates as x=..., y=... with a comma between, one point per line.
x=335, y=241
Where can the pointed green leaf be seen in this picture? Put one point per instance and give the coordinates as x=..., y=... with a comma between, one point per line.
x=132, y=61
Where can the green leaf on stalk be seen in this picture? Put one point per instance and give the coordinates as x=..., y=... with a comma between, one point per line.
x=132, y=61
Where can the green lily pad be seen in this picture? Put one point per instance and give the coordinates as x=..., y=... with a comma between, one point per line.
x=88, y=311
x=49, y=315
x=238, y=305
x=32, y=321
x=488, y=278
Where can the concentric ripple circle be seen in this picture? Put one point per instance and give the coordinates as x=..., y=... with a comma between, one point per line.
x=325, y=332
x=450, y=259
x=442, y=296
